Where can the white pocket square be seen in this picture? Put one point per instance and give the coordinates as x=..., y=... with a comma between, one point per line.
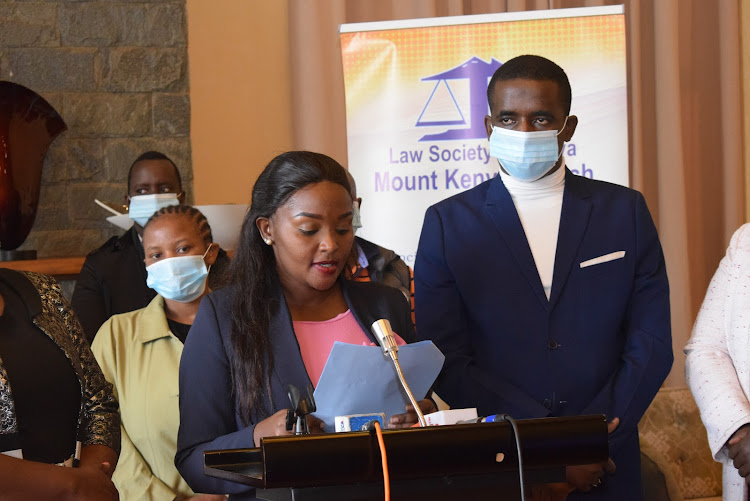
x=603, y=259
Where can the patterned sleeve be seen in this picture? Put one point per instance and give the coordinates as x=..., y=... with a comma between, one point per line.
x=100, y=418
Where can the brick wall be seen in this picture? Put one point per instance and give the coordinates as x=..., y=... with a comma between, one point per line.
x=117, y=72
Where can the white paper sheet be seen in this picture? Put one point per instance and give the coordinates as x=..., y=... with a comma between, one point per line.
x=360, y=380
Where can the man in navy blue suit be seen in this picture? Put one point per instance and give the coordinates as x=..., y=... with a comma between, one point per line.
x=546, y=291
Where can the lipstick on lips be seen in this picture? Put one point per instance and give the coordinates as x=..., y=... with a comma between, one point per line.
x=328, y=267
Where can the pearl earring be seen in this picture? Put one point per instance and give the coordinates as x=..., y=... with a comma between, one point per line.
x=268, y=241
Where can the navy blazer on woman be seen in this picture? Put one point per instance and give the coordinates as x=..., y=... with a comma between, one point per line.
x=209, y=417
x=600, y=344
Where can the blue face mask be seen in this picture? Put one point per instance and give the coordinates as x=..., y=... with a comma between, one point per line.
x=527, y=156
x=356, y=217
x=142, y=207
x=181, y=279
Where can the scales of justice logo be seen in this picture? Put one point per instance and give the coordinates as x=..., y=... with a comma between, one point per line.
x=443, y=109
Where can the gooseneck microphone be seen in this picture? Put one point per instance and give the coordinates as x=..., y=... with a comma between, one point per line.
x=387, y=340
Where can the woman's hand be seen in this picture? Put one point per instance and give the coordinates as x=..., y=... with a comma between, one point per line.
x=24, y=479
x=407, y=419
x=275, y=426
x=90, y=483
x=272, y=426
x=96, y=456
x=92, y=480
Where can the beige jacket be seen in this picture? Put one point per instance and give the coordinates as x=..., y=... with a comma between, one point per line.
x=141, y=357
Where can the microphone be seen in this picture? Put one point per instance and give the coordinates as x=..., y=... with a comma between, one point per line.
x=387, y=340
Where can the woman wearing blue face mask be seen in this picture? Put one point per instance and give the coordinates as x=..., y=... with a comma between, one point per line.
x=139, y=353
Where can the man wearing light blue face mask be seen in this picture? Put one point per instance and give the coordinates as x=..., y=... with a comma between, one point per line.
x=546, y=291
x=113, y=277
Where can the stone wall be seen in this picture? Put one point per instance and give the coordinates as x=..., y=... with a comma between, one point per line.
x=117, y=72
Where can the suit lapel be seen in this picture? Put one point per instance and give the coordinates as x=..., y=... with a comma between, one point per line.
x=364, y=312
x=574, y=218
x=504, y=216
x=288, y=367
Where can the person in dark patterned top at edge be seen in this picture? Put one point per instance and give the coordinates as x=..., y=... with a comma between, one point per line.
x=59, y=425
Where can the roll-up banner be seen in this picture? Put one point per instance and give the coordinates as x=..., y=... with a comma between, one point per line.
x=416, y=98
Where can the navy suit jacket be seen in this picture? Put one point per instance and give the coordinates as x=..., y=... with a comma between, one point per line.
x=209, y=417
x=600, y=344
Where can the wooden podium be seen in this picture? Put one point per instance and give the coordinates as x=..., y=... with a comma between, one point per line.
x=469, y=461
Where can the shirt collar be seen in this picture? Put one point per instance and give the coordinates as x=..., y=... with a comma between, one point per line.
x=154, y=322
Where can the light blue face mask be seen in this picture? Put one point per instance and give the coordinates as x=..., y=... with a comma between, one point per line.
x=356, y=216
x=527, y=156
x=181, y=279
x=142, y=207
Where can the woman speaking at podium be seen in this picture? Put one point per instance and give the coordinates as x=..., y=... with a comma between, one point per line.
x=275, y=325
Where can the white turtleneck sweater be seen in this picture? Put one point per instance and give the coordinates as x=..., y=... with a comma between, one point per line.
x=539, y=205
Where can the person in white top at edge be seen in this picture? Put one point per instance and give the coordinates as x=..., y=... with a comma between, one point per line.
x=718, y=365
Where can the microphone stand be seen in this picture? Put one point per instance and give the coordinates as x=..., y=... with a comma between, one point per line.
x=384, y=334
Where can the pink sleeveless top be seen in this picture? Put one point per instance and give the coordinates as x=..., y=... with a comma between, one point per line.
x=316, y=340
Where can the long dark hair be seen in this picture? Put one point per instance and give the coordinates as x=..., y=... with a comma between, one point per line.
x=253, y=270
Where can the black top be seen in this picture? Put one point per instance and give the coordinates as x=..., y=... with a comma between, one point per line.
x=113, y=280
x=179, y=330
x=47, y=408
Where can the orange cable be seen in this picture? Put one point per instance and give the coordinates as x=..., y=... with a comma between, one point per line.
x=384, y=461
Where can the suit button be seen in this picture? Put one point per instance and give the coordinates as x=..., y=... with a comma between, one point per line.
x=553, y=345
x=547, y=403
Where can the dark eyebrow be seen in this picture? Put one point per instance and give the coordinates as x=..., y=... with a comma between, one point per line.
x=318, y=216
x=308, y=214
x=542, y=113
x=538, y=113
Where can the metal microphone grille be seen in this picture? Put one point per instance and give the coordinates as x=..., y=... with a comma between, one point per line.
x=384, y=334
